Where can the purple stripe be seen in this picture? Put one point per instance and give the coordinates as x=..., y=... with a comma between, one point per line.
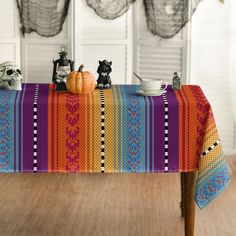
x=159, y=134
x=173, y=131
x=42, y=125
x=28, y=128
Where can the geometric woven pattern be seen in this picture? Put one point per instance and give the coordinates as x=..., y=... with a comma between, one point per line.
x=112, y=131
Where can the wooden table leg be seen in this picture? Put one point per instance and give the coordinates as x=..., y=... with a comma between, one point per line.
x=182, y=203
x=189, y=212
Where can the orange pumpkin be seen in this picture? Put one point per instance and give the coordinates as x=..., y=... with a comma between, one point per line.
x=80, y=82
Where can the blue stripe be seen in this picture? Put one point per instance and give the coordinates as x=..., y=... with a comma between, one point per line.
x=7, y=110
x=212, y=186
x=210, y=170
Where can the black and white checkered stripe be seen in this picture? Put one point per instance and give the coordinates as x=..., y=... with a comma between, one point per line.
x=166, y=131
x=36, y=93
x=210, y=148
x=102, y=131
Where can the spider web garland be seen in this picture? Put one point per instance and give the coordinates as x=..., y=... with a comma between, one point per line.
x=165, y=18
x=110, y=9
x=42, y=16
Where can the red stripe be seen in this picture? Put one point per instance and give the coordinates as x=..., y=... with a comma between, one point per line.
x=188, y=107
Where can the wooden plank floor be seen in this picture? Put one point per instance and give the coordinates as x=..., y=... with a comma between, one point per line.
x=82, y=204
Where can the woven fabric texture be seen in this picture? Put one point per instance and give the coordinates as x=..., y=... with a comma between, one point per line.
x=112, y=131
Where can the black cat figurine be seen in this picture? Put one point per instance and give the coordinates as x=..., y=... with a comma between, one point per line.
x=104, y=69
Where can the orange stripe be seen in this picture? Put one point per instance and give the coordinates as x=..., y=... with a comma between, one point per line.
x=93, y=132
x=192, y=128
x=88, y=126
x=181, y=129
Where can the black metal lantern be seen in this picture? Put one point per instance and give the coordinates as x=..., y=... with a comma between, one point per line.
x=61, y=69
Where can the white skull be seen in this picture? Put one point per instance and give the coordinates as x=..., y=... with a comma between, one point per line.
x=10, y=76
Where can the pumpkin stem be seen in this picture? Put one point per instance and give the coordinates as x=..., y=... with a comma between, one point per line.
x=81, y=68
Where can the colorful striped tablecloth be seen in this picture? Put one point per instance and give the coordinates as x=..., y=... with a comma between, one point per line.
x=112, y=131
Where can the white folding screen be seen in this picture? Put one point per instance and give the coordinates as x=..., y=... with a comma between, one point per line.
x=157, y=58
x=98, y=39
x=38, y=52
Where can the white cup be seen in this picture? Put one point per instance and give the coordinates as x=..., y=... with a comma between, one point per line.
x=153, y=85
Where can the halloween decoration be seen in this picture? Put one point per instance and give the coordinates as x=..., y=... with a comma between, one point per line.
x=10, y=76
x=165, y=18
x=44, y=17
x=81, y=82
x=104, y=70
x=61, y=69
x=110, y=9
x=176, y=81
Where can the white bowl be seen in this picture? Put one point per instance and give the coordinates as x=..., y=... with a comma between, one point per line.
x=153, y=85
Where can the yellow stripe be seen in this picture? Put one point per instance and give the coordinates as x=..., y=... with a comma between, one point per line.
x=116, y=133
x=209, y=164
x=91, y=138
x=109, y=131
x=97, y=130
x=121, y=130
x=198, y=183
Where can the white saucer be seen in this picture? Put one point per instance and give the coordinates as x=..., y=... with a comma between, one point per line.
x=142, y=93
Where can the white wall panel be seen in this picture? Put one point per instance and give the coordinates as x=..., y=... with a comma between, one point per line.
x=98, y=39
x=8, y=52
x=10, y=35
x=210, y=63
x=38, y=61
x=7, y=19
x=92, y=26
x=91, y=55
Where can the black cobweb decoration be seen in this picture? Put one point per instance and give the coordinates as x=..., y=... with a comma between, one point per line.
x=165, y=18
x=45, y=17
x=110, y=9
